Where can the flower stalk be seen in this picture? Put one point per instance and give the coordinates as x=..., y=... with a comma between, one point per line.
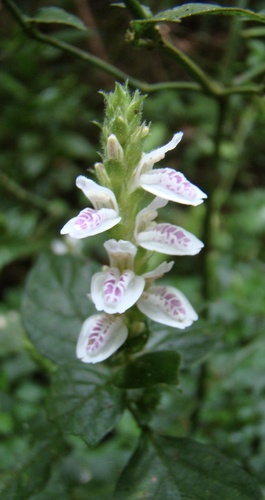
x=127, y=178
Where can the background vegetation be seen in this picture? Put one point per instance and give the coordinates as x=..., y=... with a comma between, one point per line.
x=49, y=102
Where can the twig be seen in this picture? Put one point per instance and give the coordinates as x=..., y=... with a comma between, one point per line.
x=27, y=197
x=203, y=83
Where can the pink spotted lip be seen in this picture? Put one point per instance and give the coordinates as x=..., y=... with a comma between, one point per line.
x=168, y=306
x=115, y=287
x=90, y=222
x=100, y=336
x=171, y=185
x=169, y=239
x=115, y=292
x=88, y=218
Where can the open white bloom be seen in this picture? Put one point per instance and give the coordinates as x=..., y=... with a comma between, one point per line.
x=165, y=238
x=159, y=271
x=172, y=185
x=117, y=288
x=93, y=221
x=100, y=336
x=167, y=305
x=149, y=159
x=166, y=182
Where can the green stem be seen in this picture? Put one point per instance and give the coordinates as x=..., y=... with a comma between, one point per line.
x=233, y=43
x=210, y=87
x=136, y=9
x=202, y=81
x=208, y=277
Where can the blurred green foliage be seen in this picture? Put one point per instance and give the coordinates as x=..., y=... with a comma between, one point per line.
x=48, y=102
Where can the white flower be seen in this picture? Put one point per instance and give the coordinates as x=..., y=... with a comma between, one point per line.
x=167, y=305
x=117, y=288
x=115, y=292
x=121, y=253
x=166, y=182
x=165, y=238
x=172, y=185
x=159, y=271
x=100, y=336
x=93, y=221
x=149, y=159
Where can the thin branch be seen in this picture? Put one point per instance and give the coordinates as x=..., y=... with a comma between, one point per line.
x=203, y=82
x=210, y=87
x=26, y=196
x=136, y=9
x=96, y=61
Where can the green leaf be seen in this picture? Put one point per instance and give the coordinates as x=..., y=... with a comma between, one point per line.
x=83, y=402
x=193, y=344
x=31, y=476
x=55, y=304
x=58, y=16
x=168, y=467
x=148, y=370
x=195, y=9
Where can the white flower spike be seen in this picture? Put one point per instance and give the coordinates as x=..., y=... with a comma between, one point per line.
x=100, y=336
x=167, y=305
x=172, y=186
x=91, y=221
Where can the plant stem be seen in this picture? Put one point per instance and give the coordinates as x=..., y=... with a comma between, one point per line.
x=136, y=9
x=210, y=87
x=27, y=197
x=233, y=46
x=208, y=272
x=202, y=81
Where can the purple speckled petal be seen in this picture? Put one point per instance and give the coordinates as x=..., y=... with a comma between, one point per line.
x=115, y=292
x=100, y=336
x=169, y=239
x=90, y=222
x=167, y=305
x=171, y=185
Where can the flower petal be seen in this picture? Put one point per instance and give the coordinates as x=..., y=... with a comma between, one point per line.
x=100, y=336
x=147, y=215
x=149, y=159
x=172, y=185
x=98, y=195
x=121, y=253
x=90, y=222
x=169, y=239
x=168, y=306
x=159, y=271
x=114, y=292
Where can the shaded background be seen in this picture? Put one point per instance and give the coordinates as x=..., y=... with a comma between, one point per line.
x=49, y=101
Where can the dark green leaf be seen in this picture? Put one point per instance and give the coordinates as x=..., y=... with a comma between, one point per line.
x=193, y=344
x=30, y=477
x=150, y=369
x=55, y=304
x=167, y=467
x=58, y=16
x=83, y=402
x=193, y=9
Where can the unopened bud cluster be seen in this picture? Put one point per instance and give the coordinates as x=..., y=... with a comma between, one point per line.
x=118, y=201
